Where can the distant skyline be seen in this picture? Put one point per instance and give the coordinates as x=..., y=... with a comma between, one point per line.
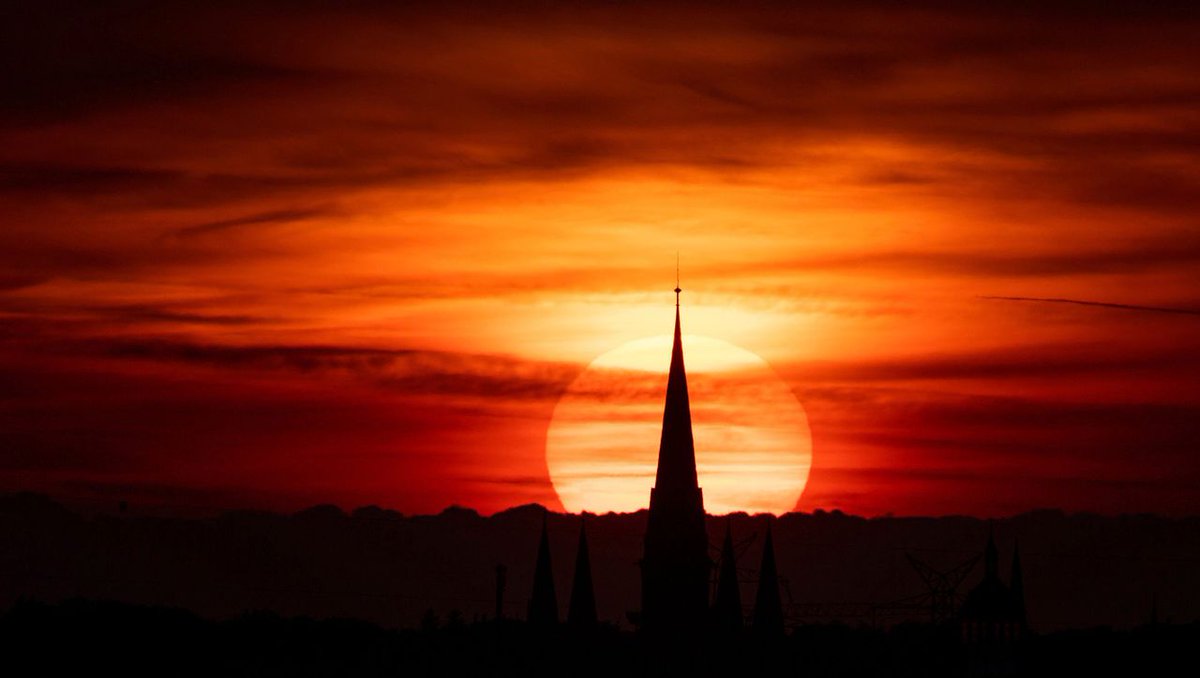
x=260, y=255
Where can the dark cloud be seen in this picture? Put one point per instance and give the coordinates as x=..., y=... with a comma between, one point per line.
x=942, y=451
x=1182, y=251
x=38, y=321
x=66, y=60
x=1014, y=363
x=65, y=178
x=10, y=281
x=133, y=187
x=428, y=373
x=1101, y=304
x=785, y=74
x=143, y=313
x=282, y=216
x=984, y=432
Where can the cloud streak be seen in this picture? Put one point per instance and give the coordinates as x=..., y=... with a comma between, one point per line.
x=1100, y=304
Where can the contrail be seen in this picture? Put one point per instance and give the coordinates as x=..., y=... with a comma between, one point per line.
x=1101, y=304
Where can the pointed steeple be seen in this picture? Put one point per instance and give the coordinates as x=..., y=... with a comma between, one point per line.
x=676, y=569
x=1016, y=586
x=543, y=604
x=727, y=609
x=676, y=449
x=768, y=606
x=581, y=611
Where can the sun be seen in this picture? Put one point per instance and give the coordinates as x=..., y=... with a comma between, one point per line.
x=753, y=445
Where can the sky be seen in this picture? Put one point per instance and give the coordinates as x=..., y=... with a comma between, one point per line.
x=268, y=254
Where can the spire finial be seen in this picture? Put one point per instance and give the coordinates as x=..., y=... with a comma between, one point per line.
x=677, y=289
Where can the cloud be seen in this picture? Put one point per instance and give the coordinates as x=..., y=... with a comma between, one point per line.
x=1100, y=304
x=77, y=59
x=1064, y=360
x=282, y=216
x=1178, y=252
x=423, y=372
x=939, y=452
x=948, y=430
x=743, y=78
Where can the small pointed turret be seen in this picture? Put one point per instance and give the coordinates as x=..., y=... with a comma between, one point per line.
x=581, y=611
x=1016, y=586
x=768, y=607
x=543, y=604
x=727, y=608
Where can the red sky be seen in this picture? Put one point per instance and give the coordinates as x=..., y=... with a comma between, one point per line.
x=275, y=254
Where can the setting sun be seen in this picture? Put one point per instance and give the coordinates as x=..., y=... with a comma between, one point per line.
x=753, y=448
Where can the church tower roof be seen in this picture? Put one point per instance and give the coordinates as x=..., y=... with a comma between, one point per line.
x=676, y=448
x=543, y=604
x=768, y=606
x=727, y=608
x=676, y=568
x=581, y=611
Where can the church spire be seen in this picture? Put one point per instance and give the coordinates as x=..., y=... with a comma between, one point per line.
x=727, y=608
x=543, y=604
x=676, y=449
x=581, y=611
x=768, y=606
x=675, y=565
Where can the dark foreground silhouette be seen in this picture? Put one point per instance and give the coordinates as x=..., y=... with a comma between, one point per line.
x=378, y=593
x=100, y=637
x=1080, y=571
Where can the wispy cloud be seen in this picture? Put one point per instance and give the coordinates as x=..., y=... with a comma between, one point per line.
x=1100, y=304
x=283, y=216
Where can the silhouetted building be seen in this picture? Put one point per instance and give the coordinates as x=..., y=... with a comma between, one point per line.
x=727, y=606
x=768, y=606
x=992, y=619
x=994, y=612
x=581, y=611
x=675, y=563
x=543, y=604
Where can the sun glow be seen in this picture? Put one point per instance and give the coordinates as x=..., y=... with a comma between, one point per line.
x=753, y=446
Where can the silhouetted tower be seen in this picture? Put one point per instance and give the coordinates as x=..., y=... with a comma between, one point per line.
x=768, y=607
x=581, y=611
x=543, y=604
x=727, y=608
x=1016, y=586
x=675, y=563
x=992, y=619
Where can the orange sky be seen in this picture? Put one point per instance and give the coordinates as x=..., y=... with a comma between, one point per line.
x=263, y=255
